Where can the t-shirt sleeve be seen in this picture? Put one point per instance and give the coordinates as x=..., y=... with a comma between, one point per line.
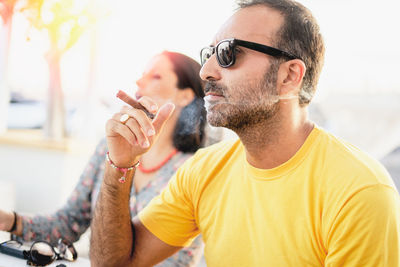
x=171, y=216
x=366, y=231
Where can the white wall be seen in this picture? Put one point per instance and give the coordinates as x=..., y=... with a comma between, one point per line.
x=42, y=178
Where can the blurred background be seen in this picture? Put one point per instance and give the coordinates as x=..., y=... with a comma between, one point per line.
x=62, y=62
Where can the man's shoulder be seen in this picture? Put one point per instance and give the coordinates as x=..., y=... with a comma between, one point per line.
x=340, y=157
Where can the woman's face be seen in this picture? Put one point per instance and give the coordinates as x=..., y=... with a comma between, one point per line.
x=158, y=81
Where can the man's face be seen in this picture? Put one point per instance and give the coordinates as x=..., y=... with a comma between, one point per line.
x=245, y=93
x=243, y=105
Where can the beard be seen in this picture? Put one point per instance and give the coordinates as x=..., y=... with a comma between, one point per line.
x=244, y=106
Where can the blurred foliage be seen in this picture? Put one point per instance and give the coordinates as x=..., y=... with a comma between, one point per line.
x=64, y=20
x=7, y=9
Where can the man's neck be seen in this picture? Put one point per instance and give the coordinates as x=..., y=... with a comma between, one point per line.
x=272, y=143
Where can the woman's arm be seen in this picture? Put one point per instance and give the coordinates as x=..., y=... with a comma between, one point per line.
x=72, y=220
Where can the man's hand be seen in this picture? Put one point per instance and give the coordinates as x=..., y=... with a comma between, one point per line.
x=113, y=239
x=128, y=140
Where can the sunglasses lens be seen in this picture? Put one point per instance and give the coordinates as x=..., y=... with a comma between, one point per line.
x=225, y=54
x=70, y=254
x=66, y=251
x=42, y=253
x=205, y=54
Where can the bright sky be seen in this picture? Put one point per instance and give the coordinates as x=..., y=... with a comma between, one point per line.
x=126, y=40
x=362, y=47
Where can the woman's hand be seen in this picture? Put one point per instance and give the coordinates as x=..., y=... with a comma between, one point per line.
x=128, y=140
x=6, y=220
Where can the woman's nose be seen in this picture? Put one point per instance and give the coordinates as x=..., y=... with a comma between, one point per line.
x=140, y=82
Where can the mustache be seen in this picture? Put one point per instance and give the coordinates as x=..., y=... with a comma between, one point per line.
x=212, y=86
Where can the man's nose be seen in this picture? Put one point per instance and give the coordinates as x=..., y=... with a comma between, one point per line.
x=210, y=70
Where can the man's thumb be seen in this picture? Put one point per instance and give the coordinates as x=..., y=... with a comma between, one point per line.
x=162, y=116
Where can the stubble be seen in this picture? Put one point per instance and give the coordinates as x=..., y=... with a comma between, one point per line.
x=246, y=105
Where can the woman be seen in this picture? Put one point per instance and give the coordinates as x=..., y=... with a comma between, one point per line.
x=168, y=77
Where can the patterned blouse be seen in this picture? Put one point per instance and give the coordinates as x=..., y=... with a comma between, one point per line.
x=72, y=220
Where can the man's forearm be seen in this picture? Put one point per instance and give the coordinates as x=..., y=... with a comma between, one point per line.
x=112, y=236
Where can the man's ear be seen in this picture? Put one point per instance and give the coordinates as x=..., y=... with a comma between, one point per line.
x=184, y=96
x=290, y=77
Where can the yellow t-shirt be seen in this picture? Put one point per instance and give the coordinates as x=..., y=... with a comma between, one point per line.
x=329, y=205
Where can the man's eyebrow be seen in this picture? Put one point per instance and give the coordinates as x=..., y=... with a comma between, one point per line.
x=216, y=41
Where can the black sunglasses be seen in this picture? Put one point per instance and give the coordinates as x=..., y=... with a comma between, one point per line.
x=40, y=253
x=226, y=51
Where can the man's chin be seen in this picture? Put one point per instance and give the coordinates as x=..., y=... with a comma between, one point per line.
x=215, y=119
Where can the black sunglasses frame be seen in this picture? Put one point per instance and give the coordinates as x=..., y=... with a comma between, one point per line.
x=35, y=260
x=250, y=45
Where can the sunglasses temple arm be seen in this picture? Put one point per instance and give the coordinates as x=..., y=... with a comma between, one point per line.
x=265, y=49
x=12, y=252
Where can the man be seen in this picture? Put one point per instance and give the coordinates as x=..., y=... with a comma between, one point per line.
x=286, y=193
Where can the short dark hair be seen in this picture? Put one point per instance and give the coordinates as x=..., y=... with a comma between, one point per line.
x=189, y=133
x=299, y=35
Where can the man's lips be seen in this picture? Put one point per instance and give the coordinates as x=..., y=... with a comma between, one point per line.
x=212, y=96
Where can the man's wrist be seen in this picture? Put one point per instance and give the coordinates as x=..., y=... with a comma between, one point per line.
x=123, y=170
x=122, y=163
